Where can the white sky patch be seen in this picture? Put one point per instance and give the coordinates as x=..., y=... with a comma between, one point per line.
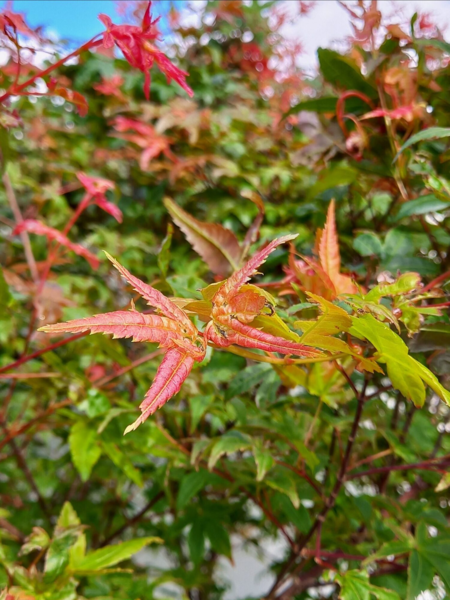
x=328, y=24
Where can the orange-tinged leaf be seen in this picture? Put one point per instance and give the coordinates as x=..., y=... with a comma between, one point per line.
x=38, y=228
x=330, y=258
x=154, y=297
x=217, y=245
x=172, y=372
x=250, y=337
x=238, y=279
x=245, y=304
x=124, y=324
x=201, y=308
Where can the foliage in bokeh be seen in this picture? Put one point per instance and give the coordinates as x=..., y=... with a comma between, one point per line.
x=340, y=455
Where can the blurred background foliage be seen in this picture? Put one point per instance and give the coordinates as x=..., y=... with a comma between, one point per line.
x=246, y=455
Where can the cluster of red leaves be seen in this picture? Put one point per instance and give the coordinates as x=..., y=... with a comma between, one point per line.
x=144, y=136
x=12, y=22
x=323, y=275
x=138, y=47
x=234, y=306
x=96, y=189
x=110, y=86
x=171, y=328
x=38, y=228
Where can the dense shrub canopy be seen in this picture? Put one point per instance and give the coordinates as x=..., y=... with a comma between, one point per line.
x=303, y=402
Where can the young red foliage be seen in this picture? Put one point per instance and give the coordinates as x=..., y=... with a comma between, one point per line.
x=110, y=86
x=70, y=95
x=137, y=45
x=323, y=276
x=145, y=137
x=233, y=309
x=38, y=228
x=173, y=331
x=96, y=188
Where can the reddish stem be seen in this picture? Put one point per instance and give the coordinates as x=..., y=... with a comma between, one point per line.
x=15, y=90
x=25, y=359
x=436, y=281
x=340, y=105
x=426, y=465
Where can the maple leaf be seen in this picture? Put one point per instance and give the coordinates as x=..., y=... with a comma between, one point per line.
x=145, y=137
x=323, y=276
x=96, y=188
x=330, y=257
x=217, y=245
x=137, y=45
x=173, y=331
x=110, y=86
x=38, y=228
x=71, y=96
x=234, y=306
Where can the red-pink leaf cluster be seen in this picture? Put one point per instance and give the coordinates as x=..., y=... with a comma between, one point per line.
x=138, y=47
x=144, y=136
x=233, y=308
x=38, y=228
x=171, y=329
x=96, y=188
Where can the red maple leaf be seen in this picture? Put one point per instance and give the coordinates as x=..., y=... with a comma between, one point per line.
x=171, y=328
x=38, y=228
x=138, y=47
x=110, y=86
x=234, y=306
x=144, y=136
x=96, y=188
x=323, y=276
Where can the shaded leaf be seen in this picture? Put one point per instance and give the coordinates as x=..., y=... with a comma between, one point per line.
x=217, y=245
x=84, y=449
x=112, y=555
x=432, y=133
x=230, y=442
x=191, y=484
x=421, y=206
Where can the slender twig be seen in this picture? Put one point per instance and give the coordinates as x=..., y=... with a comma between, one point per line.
x=22, y=464
x=130, y=522
x=12, y=200
x=15, y=90
x=369, y=459
x=29, y=375
x=426, y=465
x=140, y=361
x=436, y=282
x=25, y=359
x=12, y=433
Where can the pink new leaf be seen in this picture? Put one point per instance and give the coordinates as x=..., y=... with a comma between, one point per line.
x=124, y=324
x=109, y=208
x=96, y=188
x=239, y=278
x=38, y=228
x=154, y=297
x=172, y=372
x=95, y=185
x=250, y=337
x=255, y=338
